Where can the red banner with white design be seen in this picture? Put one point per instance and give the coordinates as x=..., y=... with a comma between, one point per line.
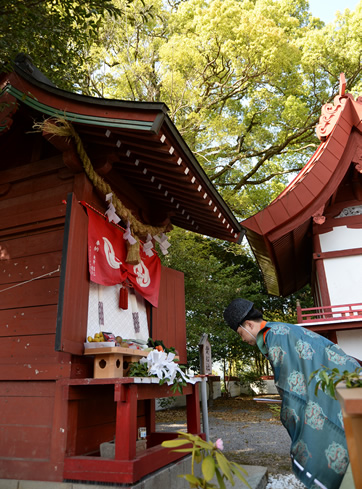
x=107, y=254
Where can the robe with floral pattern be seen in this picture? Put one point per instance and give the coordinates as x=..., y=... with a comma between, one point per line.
x=314, y=422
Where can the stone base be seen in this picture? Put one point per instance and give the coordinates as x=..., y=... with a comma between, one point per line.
x=167, y=477
x=108, y=448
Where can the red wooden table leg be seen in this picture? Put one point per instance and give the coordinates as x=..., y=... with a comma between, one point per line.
x=126, y=423
x=193, y=410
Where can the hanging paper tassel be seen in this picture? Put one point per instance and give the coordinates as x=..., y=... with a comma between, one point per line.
x=162, y=240
x=123, y=297
x=111, y=211
x=148, y=245
x=127, y=235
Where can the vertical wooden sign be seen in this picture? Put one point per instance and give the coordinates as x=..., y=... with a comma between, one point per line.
x=205, y=355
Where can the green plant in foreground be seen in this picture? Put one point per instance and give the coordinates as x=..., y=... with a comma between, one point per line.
x=213, y=462
x=329, y=378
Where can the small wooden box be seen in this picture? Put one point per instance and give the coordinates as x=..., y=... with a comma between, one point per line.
x=114, y=362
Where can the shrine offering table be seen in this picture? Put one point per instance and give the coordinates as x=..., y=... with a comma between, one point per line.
x=118, y=406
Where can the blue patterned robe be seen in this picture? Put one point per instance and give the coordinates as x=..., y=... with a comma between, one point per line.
x=314, y=423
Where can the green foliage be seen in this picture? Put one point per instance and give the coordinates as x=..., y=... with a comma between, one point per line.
x=328, y=379
x=56, y=34
x=275, y=409
x=215, y=273
x=213, y=462
x=166, y=402
x=154, y=343
x=244, y=81
x=138, y=369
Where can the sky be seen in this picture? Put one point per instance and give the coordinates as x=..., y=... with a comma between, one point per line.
x=326, y=9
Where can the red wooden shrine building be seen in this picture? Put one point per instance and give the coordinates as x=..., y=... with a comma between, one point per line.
x=312, y=232
x=54, y=414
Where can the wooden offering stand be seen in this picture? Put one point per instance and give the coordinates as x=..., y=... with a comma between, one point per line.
x=114, y=362
x=351, y=403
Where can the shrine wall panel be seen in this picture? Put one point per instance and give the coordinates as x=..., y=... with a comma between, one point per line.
x=32, y=215
x=169, y=318
x=26, y=429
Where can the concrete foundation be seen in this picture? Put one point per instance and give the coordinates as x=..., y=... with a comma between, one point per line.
x=166, y=478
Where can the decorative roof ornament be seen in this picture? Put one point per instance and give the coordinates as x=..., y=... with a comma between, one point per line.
x=354, y=210
x=318, y=216
x=331, y=112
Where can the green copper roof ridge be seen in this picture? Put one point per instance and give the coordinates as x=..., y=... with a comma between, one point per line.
x=74, y=117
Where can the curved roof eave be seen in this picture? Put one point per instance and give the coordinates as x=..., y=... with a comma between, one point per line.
x=150, y=118
x=304, y=197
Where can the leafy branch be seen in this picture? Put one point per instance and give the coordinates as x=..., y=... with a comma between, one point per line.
x=213, y=462
x=329, y=378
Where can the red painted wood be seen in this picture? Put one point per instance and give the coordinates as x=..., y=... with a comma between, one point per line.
x=20, y=270
x=337, y=253
x=169, y=318
x=91, y=109
x=24, y=349
x=72, y=315
x=20, y=191
x=334, y=326
x=30, y=469
x=323, y=284
x=59, y=431
x=27, y=389
x=36, y=370
x=36, y=411
x=336, y=313
x=126, y=430
x=281, y=212
x=291, y=202
x=28, y=321
x=119, y=471
x=28, y=218
x=25, y=173
x=335, y=147
x=353, y=222
x=322, y=171
x=43, y=194
x=193, y=411
x=19, y=442
x=37, y=293
x=32, y=244
x=127, y=394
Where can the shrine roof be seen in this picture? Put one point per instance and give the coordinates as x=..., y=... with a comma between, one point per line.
x=133, y=142
x=280, y=235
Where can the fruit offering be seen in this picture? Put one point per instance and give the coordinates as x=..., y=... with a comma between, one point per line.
x=98, y=337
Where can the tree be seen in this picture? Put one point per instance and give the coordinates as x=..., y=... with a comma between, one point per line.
x=215, y=273
x=54, y=33
x=244, y=82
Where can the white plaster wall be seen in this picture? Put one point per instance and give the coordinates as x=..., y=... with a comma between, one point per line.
x=350, y=341
x=268, y=387
x=344, y=274
x=341, y=238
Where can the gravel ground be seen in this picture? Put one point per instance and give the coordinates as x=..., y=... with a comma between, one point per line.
x=251, y=432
